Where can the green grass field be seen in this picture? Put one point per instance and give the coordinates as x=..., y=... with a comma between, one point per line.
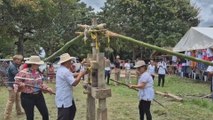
x=123, y=105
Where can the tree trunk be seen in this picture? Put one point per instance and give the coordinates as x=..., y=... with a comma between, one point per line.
x=20, y=45
x=133, y=54
x=122, y=37
x=64, y=48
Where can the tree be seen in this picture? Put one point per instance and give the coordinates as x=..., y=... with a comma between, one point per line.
x=158, y=22
x=47, y=23
x=64, y=16
x=18, y=21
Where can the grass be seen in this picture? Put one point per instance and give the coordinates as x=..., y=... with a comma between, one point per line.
x=123, y=105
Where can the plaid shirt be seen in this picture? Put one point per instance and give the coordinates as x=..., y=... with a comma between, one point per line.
x=29, y=78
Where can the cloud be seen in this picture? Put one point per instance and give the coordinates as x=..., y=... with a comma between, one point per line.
x=206, y=11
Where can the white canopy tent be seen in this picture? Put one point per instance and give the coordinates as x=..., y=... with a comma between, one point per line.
x=194, y=39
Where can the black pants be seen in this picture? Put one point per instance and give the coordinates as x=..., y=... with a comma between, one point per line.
x=28, y=101
x=144, y=108
x=67, y=113
x=107, y=75
x=161, y=77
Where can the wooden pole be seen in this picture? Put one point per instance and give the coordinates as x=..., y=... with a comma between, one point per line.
x=101, y=110
x=64, y=48
x=90, y=99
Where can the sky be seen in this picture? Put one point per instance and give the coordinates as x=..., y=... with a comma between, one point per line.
x=205, y=14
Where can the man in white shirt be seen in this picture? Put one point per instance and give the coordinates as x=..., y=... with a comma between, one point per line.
x=64, y=82
x=162, y=67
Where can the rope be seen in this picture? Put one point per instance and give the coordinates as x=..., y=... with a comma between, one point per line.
x=95, y=38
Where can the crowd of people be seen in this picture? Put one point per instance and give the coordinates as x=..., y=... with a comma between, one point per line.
x=26, y=87
x=196, y=70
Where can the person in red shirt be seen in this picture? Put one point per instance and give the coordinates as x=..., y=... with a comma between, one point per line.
x=29, y=83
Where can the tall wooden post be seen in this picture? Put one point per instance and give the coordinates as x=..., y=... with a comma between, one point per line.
x=97, y=88
x=90, y=100
x=101, y=110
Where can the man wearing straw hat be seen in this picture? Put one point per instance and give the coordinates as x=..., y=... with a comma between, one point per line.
x=64, y=82
x=13, y=97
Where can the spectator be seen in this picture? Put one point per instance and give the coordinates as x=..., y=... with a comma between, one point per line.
x=51, y=73
x=107, y=70
x=151, y=69
x=161, y=72
x=117, y=69
x=127, y=72
x=210, y=77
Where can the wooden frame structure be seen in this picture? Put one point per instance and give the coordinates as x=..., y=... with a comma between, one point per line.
x=96, y=87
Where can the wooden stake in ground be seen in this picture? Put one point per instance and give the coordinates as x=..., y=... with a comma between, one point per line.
x=169, y=95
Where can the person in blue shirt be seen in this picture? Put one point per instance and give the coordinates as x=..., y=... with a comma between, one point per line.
x=14, y=97
x=146, y=91
x=64, y=94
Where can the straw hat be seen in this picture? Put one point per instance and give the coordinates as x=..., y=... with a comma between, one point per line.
x=64, y=58
x=139, y=64
x=35, y=60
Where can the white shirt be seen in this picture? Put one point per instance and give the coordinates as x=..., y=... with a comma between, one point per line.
x=162, y=68
x=107, y=68
x=147, y=93
x=64, y=81
x=174, y=58
x=107, y=65
x=209, y=52
x=199, y=55
x=127, y=66
x=151, y=69
x=210, y=68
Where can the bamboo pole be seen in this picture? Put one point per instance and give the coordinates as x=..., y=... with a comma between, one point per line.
x=122, y=37
x=33, y=87
x=137, y=91
x=64, y=48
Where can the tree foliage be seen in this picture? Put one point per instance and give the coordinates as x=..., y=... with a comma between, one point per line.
x=29, y=24
x=47, y=23
x=158, y=22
